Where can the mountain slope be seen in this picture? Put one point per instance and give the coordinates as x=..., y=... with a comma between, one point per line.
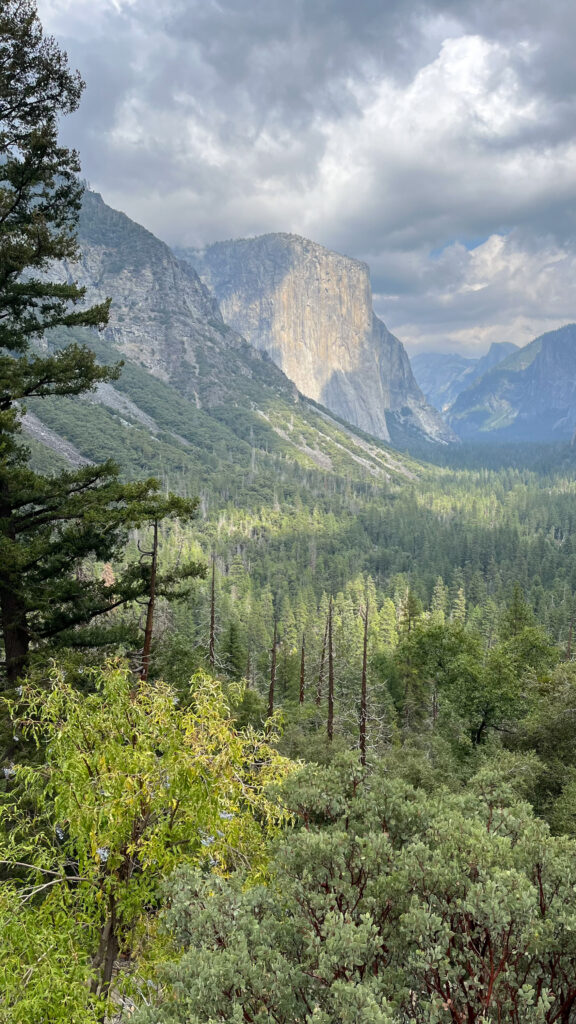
x=275, y=455
x=310, y=309
x=444, y=375
x=162, y=316
x=530, y=396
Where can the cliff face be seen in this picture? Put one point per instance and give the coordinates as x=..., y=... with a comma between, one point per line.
x=310, y=309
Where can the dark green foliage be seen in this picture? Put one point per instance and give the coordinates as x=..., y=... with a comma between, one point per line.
x=233, y=653
x=82, y=515
x=39, y=190
x=50, y=525
x=384, y=905
x=518, y=615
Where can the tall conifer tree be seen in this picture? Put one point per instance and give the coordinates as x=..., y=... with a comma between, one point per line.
x=50, y=525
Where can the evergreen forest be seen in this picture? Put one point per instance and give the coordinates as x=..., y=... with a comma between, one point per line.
x=287, y=730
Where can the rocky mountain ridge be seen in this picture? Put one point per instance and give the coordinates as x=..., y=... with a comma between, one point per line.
x=239, y=452
x=162, y=316
x=444, y=375
x=311, y=310
x=529, y=396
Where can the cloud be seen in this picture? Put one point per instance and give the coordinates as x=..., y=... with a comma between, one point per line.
x=402, y=133
x=508, y=288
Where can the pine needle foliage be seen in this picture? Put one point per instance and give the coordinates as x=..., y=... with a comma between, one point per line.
x=50, y=525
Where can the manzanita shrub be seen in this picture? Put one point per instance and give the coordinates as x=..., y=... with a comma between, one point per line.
x=385, y=904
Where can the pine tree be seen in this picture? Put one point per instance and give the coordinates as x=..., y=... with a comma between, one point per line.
x=439, y=599
x=50, y=525
x=458, y=613
x=40, y=196
x=302, y=680
x=410, y=611
x=518, y=615
x=234, y=655
x=273, y=656
x=386, y=624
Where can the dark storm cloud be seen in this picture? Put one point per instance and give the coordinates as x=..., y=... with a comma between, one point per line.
x=401, y=132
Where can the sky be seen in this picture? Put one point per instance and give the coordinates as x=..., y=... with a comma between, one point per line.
x=434, y=139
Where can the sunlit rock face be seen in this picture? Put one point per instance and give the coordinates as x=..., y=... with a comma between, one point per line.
x=310, y=309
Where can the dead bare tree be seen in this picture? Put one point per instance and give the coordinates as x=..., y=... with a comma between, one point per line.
x=302, y=670
x=364, y=691
x=273, y=672
x=320, y=684
x=330, y=722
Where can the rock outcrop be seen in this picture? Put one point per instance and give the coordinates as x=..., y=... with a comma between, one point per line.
x=310, y=309
x=195, y=400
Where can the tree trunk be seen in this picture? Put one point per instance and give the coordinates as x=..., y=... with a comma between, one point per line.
x=106, y=957
x=110, y=960
x=212, y=640
x=15, y=633
x=364, y=692
x=273, y=672
x=330, y=723
x=148, y=629
x=321, y=670
x=13, y=613
x=302, y=670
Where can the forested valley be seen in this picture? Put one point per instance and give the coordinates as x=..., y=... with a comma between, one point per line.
x=286, y=715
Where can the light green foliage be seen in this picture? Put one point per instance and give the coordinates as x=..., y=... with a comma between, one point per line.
x=45, y=969
x=387, y=632
x=386, y=905
x=458, y=613
x=441, y=675
x=439, y=600
x=131, y=787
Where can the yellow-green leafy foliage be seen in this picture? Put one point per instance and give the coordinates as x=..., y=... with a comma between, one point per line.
x=132, y=785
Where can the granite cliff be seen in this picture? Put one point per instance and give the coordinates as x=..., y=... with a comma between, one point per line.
x=310, y=309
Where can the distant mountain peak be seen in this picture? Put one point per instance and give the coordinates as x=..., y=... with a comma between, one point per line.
x=444, y=375
x=528, y=396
